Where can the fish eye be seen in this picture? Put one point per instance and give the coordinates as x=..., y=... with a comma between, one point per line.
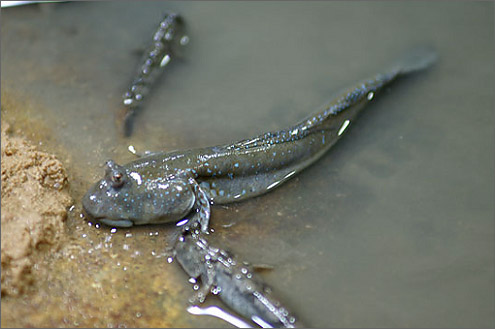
x=117, y=179
x=114, y=174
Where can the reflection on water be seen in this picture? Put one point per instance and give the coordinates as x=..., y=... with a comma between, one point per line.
x=394, y=227
x=219, y=313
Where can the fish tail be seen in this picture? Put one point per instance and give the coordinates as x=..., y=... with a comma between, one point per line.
x=417, y=59
x=338, y=113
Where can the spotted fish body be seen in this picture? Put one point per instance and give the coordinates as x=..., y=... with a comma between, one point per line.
x=233, y=281
x=167, y=187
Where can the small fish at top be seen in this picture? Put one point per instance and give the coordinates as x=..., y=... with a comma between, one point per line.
x=167, y=41
x=181, y=185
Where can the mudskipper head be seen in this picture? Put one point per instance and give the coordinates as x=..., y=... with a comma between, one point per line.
x=125, y=197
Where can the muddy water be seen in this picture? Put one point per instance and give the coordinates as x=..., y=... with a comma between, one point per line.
x=394, y=227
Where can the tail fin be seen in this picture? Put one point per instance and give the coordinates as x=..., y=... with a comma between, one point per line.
x=416, y=59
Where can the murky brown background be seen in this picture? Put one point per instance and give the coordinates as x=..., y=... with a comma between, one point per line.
x=393, y=228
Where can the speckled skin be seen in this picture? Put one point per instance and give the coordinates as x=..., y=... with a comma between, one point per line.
x=233, y=281
x=167, y=187
x=166, y=41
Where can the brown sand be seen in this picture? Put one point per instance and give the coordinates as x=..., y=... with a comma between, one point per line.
x=34, y=200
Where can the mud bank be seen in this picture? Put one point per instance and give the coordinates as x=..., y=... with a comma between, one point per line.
x=34, y=200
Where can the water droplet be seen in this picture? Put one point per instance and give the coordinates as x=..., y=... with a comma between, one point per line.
x=216, y=290
x=131, y=147
x=184, y=40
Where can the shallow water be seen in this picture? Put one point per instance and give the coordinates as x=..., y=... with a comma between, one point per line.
x=393, y=228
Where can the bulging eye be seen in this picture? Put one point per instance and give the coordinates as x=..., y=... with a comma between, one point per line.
x=115, y=174
x=117, y=179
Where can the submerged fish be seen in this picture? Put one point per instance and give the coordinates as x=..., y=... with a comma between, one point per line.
x=233, y=281
x=168, y=187
x=167, y=40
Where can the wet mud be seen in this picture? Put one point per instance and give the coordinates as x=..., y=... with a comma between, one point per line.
x=34, y=201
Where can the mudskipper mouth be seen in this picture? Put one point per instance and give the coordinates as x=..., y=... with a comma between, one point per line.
x=116, y=222
x=113, y=222
x=107, y=221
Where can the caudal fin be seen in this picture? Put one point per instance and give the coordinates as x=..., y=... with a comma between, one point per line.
x=416, y=59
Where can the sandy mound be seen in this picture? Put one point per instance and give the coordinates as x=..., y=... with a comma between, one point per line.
x=34, y=201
